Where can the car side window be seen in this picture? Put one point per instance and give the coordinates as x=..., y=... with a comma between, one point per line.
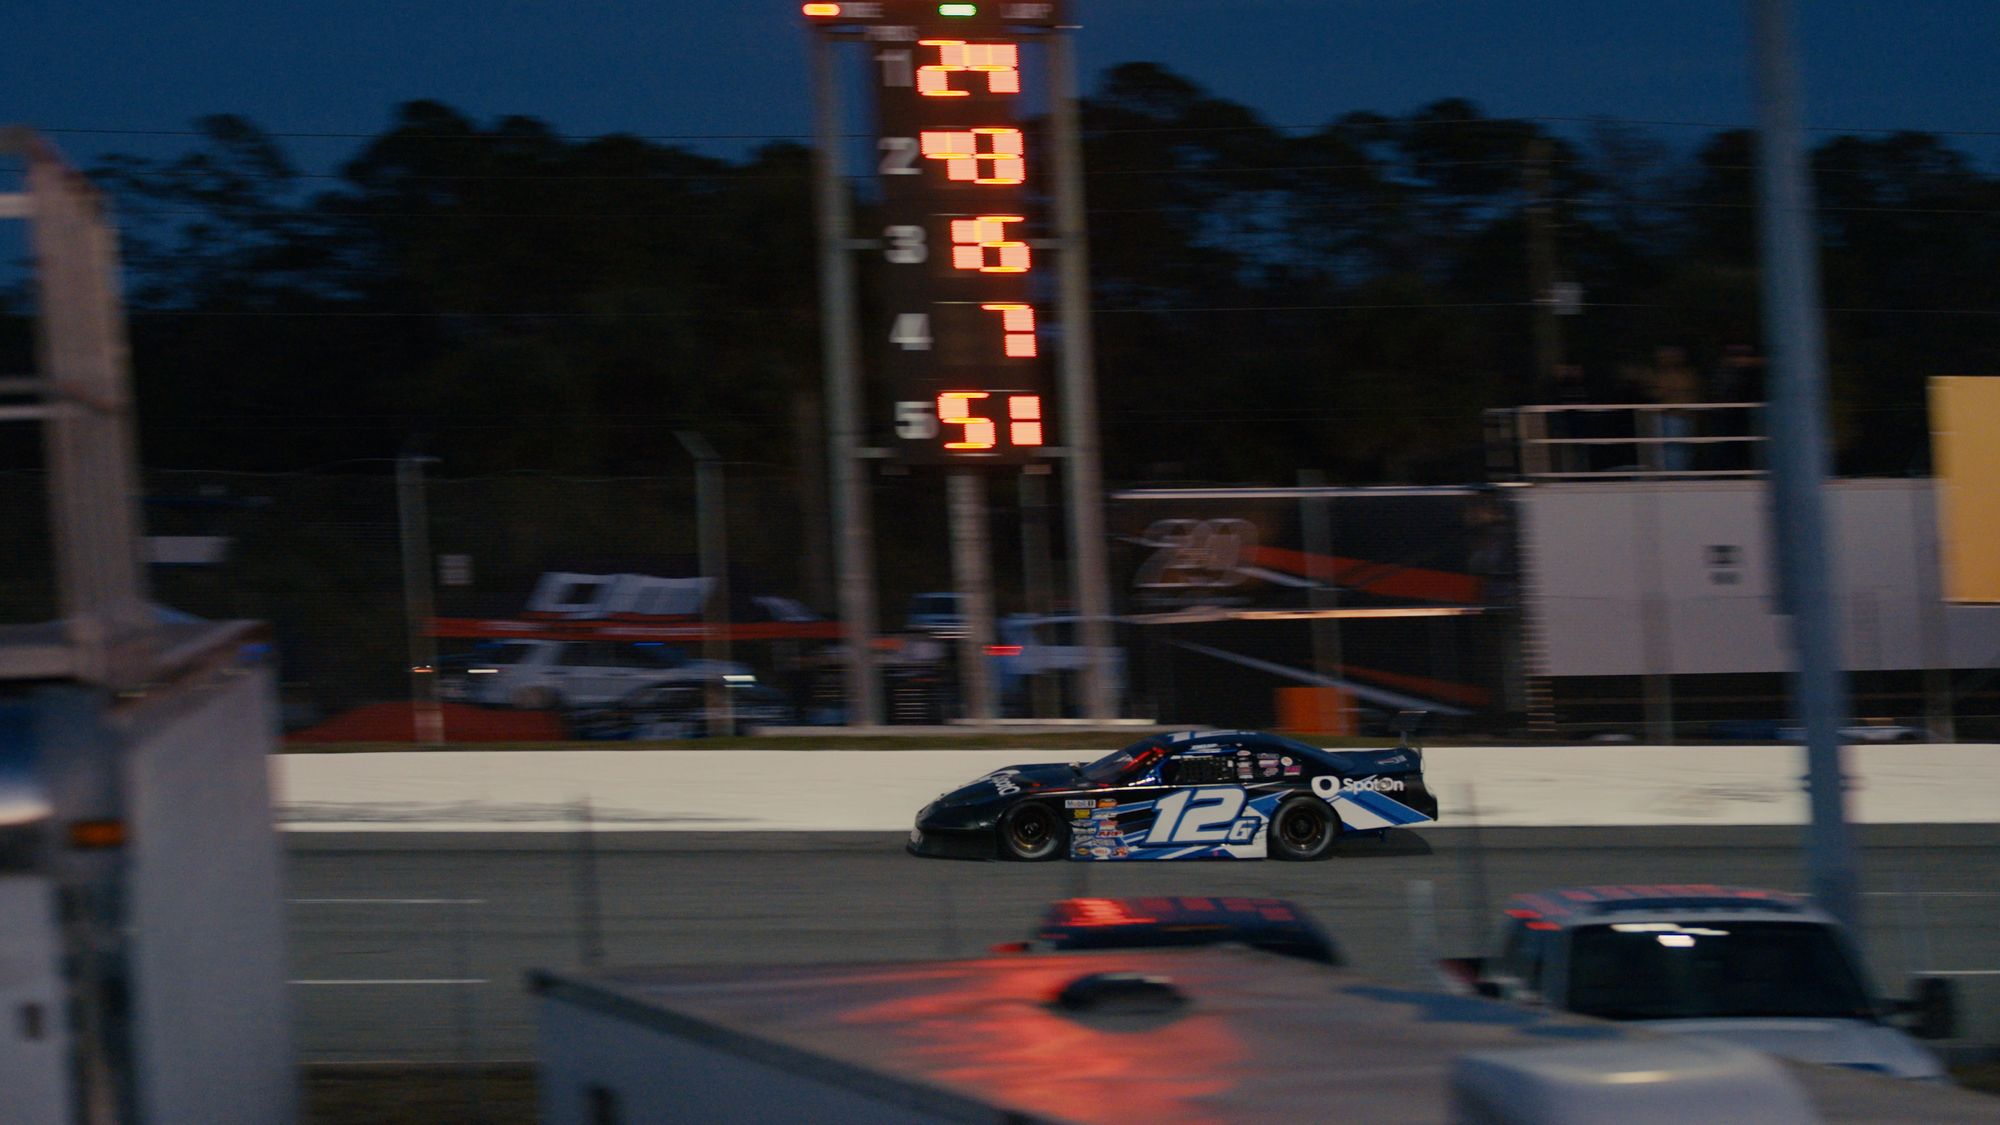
x=654, y=657
x=596, y=654
x=1199, y=769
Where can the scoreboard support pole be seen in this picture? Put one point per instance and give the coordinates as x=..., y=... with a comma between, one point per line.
x=973, y=575
x=853, y=529
x=1083, y=476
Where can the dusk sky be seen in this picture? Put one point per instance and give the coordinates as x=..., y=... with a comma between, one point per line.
x=125, y=74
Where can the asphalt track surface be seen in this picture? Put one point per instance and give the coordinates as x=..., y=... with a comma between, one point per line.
x=413, y=946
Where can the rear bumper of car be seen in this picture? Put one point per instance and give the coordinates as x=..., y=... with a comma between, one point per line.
x=1419, y=798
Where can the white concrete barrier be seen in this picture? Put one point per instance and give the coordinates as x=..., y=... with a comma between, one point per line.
x=881, y=790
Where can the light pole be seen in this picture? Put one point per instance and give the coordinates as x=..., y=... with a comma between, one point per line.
x=418, y=602
x=853, y=537
x=1083, y=476
x=713, y=533
x=1798, y=452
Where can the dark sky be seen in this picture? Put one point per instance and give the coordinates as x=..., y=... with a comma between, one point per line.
x=116, y=74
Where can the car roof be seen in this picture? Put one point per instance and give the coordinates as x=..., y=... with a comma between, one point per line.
x=1189, y=739
x=1563, y=907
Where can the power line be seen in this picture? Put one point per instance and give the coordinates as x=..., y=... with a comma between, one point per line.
x=681, y=314
x=1100, y=103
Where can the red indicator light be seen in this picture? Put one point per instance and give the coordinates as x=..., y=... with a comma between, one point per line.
x=821, y=9
x=94, y=834
x=1098, y=912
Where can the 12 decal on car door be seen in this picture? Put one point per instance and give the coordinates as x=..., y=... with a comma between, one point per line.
x=1202, y=816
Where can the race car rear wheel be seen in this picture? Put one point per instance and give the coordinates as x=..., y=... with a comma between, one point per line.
x=1030, y=831
x=1303, y=828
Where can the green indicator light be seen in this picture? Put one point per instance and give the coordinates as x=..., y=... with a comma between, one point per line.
x=958, y=9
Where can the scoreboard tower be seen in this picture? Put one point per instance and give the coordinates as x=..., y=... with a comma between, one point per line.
x=958, y=274
x=969, y=277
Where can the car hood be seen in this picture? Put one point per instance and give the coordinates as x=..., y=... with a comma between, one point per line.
x=1849, y=1043
x=1013, y=781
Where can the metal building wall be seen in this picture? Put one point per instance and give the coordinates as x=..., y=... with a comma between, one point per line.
x=1678, y=578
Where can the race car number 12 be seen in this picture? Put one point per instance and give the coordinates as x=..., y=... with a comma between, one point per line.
x=1201, y=816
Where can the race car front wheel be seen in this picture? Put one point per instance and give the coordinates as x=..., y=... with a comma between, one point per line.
x=1303, y=828
x=1030, y=831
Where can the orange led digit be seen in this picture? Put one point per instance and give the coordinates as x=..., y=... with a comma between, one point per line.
x=954, y=408
x=934, y=79
x=982, y=244
x=959, y=149
x=1017, y=330
x=1024, y=413
x=999, y=62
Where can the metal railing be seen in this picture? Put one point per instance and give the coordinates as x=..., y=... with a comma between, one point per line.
x=1627, y=440
x=80, y=395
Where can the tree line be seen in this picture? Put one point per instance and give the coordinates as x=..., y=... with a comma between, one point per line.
x=1347, y=299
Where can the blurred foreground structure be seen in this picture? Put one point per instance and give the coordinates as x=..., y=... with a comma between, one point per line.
x=1151, y=1034
x=141, y=934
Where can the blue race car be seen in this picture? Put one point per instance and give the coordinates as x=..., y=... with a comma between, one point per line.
x=1187, y=795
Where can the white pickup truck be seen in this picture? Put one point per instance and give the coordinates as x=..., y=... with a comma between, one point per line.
x=1760, y=969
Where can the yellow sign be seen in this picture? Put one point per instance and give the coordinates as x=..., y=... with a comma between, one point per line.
x=1965, y=457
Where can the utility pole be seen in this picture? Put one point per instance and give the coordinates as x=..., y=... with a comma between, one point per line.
x=1542, y=272
x=852, y=529
x=1799, y=452
x=1316, y=532
x=712, y=529
x=1083, y=476
x=1035, y=573
x=419, y=605
x=972, y=575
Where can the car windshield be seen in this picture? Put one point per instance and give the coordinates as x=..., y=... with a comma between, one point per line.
x=1118, y=763
x=1711, y=970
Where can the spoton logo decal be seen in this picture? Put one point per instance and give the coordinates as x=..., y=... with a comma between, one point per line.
x=1331, y=787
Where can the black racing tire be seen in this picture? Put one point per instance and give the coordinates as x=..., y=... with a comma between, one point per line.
x=1303, y=828
x=1031, y=832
